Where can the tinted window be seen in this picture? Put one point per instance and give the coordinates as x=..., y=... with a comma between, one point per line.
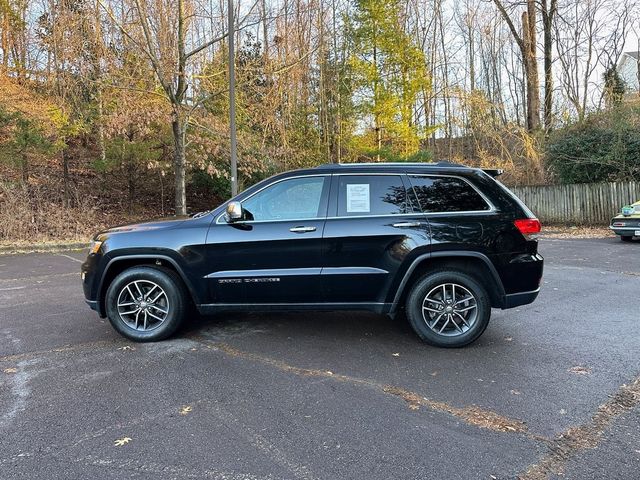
x=371, y=195
x=447, y=194
x=293, y=199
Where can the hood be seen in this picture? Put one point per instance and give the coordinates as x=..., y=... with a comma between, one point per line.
x=159, y=224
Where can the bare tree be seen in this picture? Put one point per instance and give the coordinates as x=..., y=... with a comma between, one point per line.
x=527, y=45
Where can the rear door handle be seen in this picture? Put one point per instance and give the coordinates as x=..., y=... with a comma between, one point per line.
x=408, y=224
x=302, y=229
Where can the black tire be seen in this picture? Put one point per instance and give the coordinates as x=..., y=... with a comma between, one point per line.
x=626, y=238
x=454, y=338
x=177, y=303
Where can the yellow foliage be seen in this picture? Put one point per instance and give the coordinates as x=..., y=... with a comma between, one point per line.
x=23, y=99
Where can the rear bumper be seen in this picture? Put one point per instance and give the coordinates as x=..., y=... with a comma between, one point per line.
x=625, y=231
x=517, y=299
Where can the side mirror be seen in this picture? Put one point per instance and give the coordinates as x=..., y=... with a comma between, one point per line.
x=234, y=212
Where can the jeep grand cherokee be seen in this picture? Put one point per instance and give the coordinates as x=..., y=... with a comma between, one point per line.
x=441, y=242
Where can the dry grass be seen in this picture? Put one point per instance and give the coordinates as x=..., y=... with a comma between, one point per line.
x=34, y=215
x=563, y=231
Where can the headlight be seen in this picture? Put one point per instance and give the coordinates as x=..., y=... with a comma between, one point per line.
x=95, y=247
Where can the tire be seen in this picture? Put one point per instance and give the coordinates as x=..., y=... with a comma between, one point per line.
x=626, y=238
x=476, y=310
x=154, y=321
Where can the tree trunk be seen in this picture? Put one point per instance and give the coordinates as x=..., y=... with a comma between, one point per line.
x=179, y=163
x=548, y=14
x=531, y=67
x=65, y=178
x=25, y=168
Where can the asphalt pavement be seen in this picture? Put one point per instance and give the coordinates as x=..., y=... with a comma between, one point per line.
x=551, y=390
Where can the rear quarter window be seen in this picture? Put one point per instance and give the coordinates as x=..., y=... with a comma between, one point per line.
x=447, y=194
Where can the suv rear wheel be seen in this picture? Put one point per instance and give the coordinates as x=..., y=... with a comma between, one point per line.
x=448, y=308
x=626, y=238
x=146, y=304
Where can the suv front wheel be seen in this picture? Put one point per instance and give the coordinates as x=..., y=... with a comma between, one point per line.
x=448, y=308
x=146, y=304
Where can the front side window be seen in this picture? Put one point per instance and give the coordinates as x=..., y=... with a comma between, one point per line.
x=447, y=194
x=360, y=195
x=292, y=199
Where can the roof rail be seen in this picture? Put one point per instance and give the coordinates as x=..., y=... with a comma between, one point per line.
x=391, y=164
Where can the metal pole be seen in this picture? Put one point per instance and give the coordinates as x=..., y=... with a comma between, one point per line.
x=232, y=101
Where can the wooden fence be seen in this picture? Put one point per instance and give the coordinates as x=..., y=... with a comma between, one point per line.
x=586, y=203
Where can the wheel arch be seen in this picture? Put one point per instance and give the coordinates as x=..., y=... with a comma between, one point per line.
x=121, y=263
x=474, y=264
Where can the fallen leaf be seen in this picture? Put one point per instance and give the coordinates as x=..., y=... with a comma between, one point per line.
x=433, y=374
x=413, y=406
x=186, y=409
x=126, y=347
x=515, y=392
x=578, y=370
x=493, y=477
x=329, y=372
x=10, y=370
x=563, y=411
x=122, y=441
x=395, y=354
x=508, y=339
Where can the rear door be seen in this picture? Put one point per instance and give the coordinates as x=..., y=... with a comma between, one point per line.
x=371, y=229
x=460, y=216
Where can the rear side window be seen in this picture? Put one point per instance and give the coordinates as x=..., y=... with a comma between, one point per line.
x=371, y=195
x=447, y=194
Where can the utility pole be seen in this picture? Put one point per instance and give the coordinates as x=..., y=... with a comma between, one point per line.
x=232, y=100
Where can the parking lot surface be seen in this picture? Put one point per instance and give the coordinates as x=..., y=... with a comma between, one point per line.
x=551, y=390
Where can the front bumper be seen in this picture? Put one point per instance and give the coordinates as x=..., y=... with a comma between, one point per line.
x=90, y=278
x=93, y=304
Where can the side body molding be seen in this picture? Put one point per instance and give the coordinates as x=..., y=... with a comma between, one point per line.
x=449, y=254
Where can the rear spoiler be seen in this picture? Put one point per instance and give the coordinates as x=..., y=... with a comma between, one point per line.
x=494, y=172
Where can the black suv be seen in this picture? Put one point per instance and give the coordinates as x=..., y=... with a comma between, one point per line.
x=443, y=242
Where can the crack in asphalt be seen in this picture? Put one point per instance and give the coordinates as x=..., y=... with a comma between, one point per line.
x=586, y=436
x=471, y=415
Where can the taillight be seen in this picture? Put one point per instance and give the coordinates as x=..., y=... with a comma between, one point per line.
x=619, y=224
x=528, y=226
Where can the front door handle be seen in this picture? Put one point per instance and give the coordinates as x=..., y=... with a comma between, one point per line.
x=302, y=229
x=408, y=224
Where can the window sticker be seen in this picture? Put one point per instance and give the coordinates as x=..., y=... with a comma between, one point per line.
x=358, y=198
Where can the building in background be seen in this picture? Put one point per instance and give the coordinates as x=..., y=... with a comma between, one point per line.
x=629, y=71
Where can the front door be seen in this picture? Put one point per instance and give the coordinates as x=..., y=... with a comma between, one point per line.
x=275, y=257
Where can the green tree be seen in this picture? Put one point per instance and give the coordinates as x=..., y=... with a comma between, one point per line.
x=614, y=86
x=389, y=73
x=20, y=138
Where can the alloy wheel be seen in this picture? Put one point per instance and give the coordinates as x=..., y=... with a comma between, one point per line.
x=143, y=305
x=450, y=309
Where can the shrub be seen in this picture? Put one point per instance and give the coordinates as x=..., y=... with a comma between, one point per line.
x=605, y=147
